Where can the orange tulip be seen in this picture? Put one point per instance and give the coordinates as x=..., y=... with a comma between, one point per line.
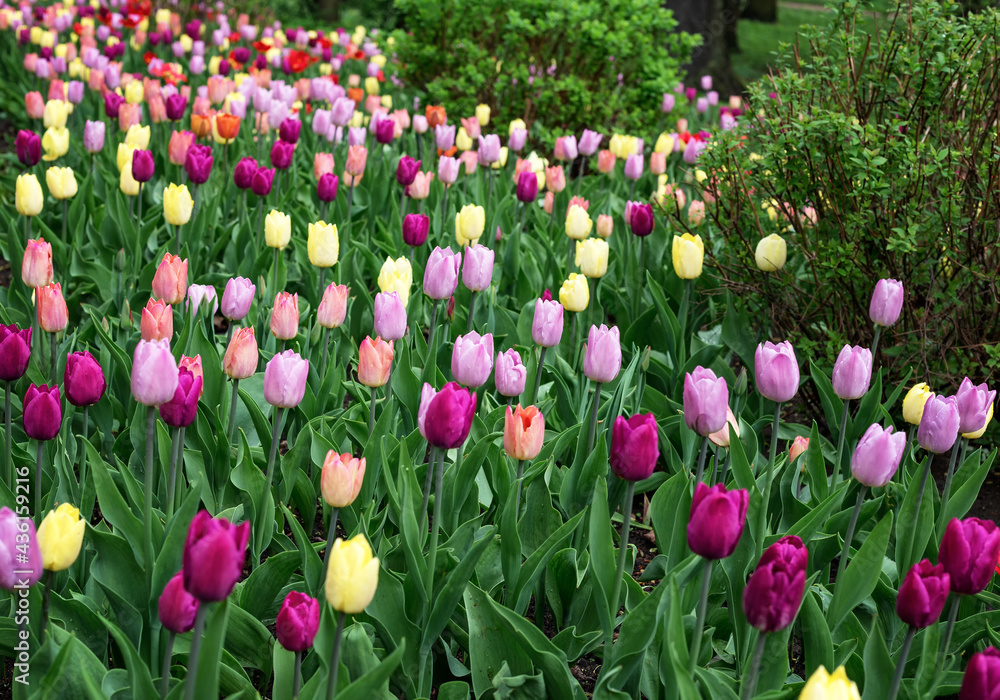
x=356, y=94
x=374, y=362
x=322, y=164
x=201, y=125
x=285, y=316
x=240, y=360
x=170, y=280
x=157, y=321
x=52, y=312
x=523, y=432
x=436, y=115
x=34, y=104
x=341, y=479
x=129, y=114
x=228, y=125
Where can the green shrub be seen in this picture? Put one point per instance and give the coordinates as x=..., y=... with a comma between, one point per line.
x=565, y=65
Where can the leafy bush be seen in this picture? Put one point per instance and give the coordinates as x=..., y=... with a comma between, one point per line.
x=567, y=65
x=891, y=138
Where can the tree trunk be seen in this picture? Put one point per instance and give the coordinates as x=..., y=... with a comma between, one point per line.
x=761, y=10
x=714, y=20
x=330, y=10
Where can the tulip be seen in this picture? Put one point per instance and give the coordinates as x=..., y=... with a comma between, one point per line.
x=969, y=552
x=877, y=456
x=592, y=257
x=980, y=679
x=297, y=622
x=178, y=146
x=19, y=552
x=396, y=276
x=157, y=321
x=51, y=311
x=974, y=405
x=61, y=182
x=357, y=156
x=923, y=594
x=483, y=114
x=374, y=362
x=688, y=255
x=240, y=360
x=277, y=229
x=511, y=373
x=717, y=520
x=852, y=372
x=289, y=130
x=390, y=316
x=634, y=166
x=527, y=186
x=415, y=229
x=444, y=136
x=420, y=187
x=342, y=478
x=154, y=373
x=176, y=105
x=332, y=308
x=60, y=536
x=36, y=266
x=29, y=148
x=602, y=359
x=326, y=188
x=634, y=447
x=244, y=171
x=886, y=303
x=15, y=352
x=469, y=224
x=128, y=184
x=472, y=359
x=441, y=273
x=774, y=592
x=42, y=412
x=706, y=399
x=979, y=433
x=198, y=163
x=262, y=181
x=352, y=576
x=771, y=253
x=477, y=270
x=448, y=168
x=547, y=323
x=776, y=371
x=28, y=197
x=574, y=294
x=170, y=280
x=826, y=686
x=406, y=170
x=213, y=557
x=55, y=142
x=177, y=608
x=138, y=136
x=445, y=416
x=178, y=204
x=641, y=222
x=489, y=149
x=322, y=163
x=605, y=225
x=285, y=316
x=83, y=379
x=939, y=424
x=578, y=222
x=323, y=244
x=237, y=297
x=517, y=139
x=182, y=409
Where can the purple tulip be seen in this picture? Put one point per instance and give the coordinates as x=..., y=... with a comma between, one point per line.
x=527, y=186
x=83, y=379
x=938, y=429
x=341, y=111
x=569, y=147
x=448, y=169
x=262, y=181
x=29, y=148
x=441, y=274
x=244, y=171
x=281, y=154
x=415, y=228
x=20, y=557
x=776, y=371
x=198, y=163
x=602, y=357
x=154, y=373
x=177, y=608
x=74, y=91
x=298, y=621
x=472, y=359
x=590, y=141
x=112, y=103
x=923, y=594
x=517, y=139
x=237, y=297
x=852, y=373
x=706, y=398
x=635, y=447
x=285, y=379
x=547, y=323
x=289, y=130
x=641, y=219
x=181, y=410
x=692, y=150
x=717, y=520
x=142, y=165
x=774, y=592
x=385, y=129
x=15, y=352
x=974, y=404
x=510, y=374
x=634, y=166
x=390, y=316
x=877, y=456
x=406, y=169
x=445, y=417
x=982, y=676
x=321, y=121
x=42, y=412
x=93, y=136
x=213, y=558
x=176, y=106
x=326, y=187
x=667, y=105
x=489, y=149
x=969, y=552
x=477, y=270
x=444, y=136
x=887, y=302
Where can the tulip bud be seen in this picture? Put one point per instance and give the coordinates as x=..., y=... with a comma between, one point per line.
x=240, y=360
x=214, y=552
x=706, y=399
x=51, y=310
x=774, y=592
x=523, y=432
x=374, y=362
x=352, y=575
x=605, y=225
x=852, y=372
x=41, y=412
x=277, y=229
x=574, y=294
x=477, y=270
x=923, y=594
x=799, y=445
x=36, y=266
x=396, y=276
x=154, y=373
x=969, y=552
x=341, y=480
x=28, y=197
x=157, y=321
x=472, y=359
x=262, y=181
x=445, y=417
x=634, y=447
x=469, y=224
x=602, y=359
x=333, y=307
x=913, y=403
x=979, y=681
x=877, y=456
x=170, y=280
x=178, y=205
x=298, y=621
x=823, y=685
x=511, y=373
x=688, y=256
x=60, y=537
x=61, y=182
x=177, y=608
x=441, y=273
x=717, y=520
x=237, y=297
x=244, y=171
x=771, y=253
x=720, y=437
x=776, y=371
x=182, y=409
x=938, y=429
x=578, y=222
x=974, y=405
x=592, y=257
x=886, y=303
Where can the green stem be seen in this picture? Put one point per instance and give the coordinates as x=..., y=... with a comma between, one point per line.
x=950, y=629
x=431, y=348
x=435, y=529
x=46, y=594
x=904, y=654
x=946, y=494
x=701, y=458
x=8, y=436
x=172, y=473
x=750, y=685
x=326, y=348
x=297, y=678
x=329, y=545
x=428, y=480
x=199, y=632
x=272, y=454
x=592, y=432
x=167, y=658
x=907, y=561
x=39, y=454
x=472, y=311
x=768, y=480
x=52, y=358
x=840, y=442
x=83, y=454
x=331, y=684
x=878, y=332
x=147, y=506
x=180, y=467
x=538, y=374
x=371, y=413
x=845, y=552
x=231, y=430
x=622, y=555
x=699, y=625
x=517, y=498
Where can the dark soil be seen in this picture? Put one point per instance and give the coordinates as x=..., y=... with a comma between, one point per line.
x=586, y=671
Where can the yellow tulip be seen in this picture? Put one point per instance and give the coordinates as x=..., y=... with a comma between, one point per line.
x=516, y=124
x=664, y=144
x=592, y=257
x=56, y=113
x=128, y=184
x=28, y=195
x=358, y=119
x=177, y=204
x=35, y=34
x=469, y=224
x=914, y=401
x=979, y=433
x=134, y=92
x=574, y=294
x=371, y=85
x=622, y=146
x=60, y=536
x=61, y=182
x=771, y=253
x=352, y=577
x=186, y=43
x=213, y=64
x=277, y=229
x=462, y=140
x=387, y=101
x=578, y=223
x=323, y=244
x=124, y=155
x=396, y=276
x=483, y=114
x=137, y=136
x=827, y=686
x=55, y=141
x=689, y=254
x=378, y=59
x=502, y=163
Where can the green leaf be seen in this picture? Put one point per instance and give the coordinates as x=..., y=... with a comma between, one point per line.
x=816, y=639
x=913, y=530
x=210, y=655
x=861, y=575
x=879, y=668
x=603, y=568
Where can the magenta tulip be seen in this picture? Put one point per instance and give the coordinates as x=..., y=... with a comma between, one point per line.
x=42, y=412
x=177, y=608
x=445, y=417
x=15, y=352
x=635, y=446
x=213, y=557
x=298, y=621
x=923, y=594
x=969, y=552
x=83, y=379
x=774, y=592
x=717, y=520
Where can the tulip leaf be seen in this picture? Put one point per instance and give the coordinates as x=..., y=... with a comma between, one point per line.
x=819, y=480
x=113, y=506
x=964, y=495
x=248, y=640
x=138, y=673
x=311, y=563
x=634, y=638
x=510, y=544
x=879, y=667
x=210, y=656
x=535, y=564
x=913, y=530
x=259, y=592
x=816, y=639
x=861, y=576
x=284, y=670
x=603, y=566
x=833, y=406
x=818, y=516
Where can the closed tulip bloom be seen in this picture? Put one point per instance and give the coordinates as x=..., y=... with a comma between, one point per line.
x=374, y=362
x=774, y=592
x=635, y=447
x=574, y=294
x=390, y=316
x=527, y=186
x=658, y=163
x=589, y=142
x=177, y=204
x=472, y=359
x=406, y=170
x=771, y=253
x=706, y=398
x=214, y=552
x=170, y=280
x=177, y=608
x=444, y=136
x=469, y=224
x=262, y=181
x=827, y=686
x=602, y=359
x=323, y=244
x=489, y=149
x=511, y=373
x=36, y=266
x=799, y=445
x=720, y=437
x=61, y=182
x=477, y=270
x=244, y=171
x=154, y=373
x=578, y=222
x=982, y=676
x=289, y=130
x=415, y=229
x=240, y=360
x=352, y=577
x=688, y=255
x=852, y=373
x=178, y=146
x=28, y=197
x=198, y=163
x=28, y=146
x=420, y=187
x=441, y=273
x=357, y=157
x=641, y=222
x=42, y=412
x=18, y=552
x=60, y=536
x=969, y=552
x=448, y=169
x=285, y=379
x=285, y=316
x=974, y=405
x=877, y=456
x=445, y=417
x=396, y=276
x=923, y=594
x=282, y=153
x=297, y=622
x=605, y=225
x=886, y=303
x=332, y=308
x=157, y=321
x=523, y=432
x=717, y=520
x=182, y=409
x=128, y=185
x=322, y=164
x=341, y=480
x=517, y=139
x=326, y=188
x=547, y=323
x=176, y=105
x=975, y=434
x=51, y=311
x=592, y=257
x=55, y=142
x=634, y=166
x=776, y=371
x=938, y=429
x=237, y=297
x=83, y=379
x=277, y=229
x=138, y=136
x=15, y=351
